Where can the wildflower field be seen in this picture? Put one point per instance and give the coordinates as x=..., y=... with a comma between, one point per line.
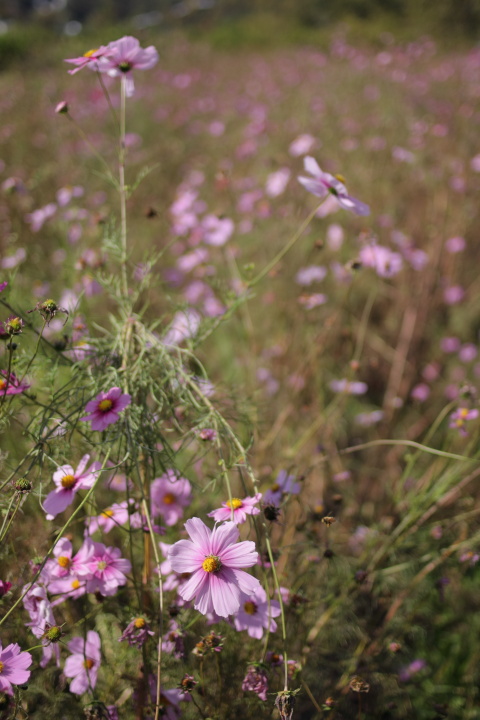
x=240, y=317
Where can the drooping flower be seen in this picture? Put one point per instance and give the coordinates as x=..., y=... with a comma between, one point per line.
x=214, y=558
x=13, y=667
x=137, y=632
x=256, y=613
x=170, y=494
x=241, y=508
x=105, y=407
x=68, y=482
x=83, y=664
x=322, y=183
x=4, y=587
x=123, y=56
x=256, y=681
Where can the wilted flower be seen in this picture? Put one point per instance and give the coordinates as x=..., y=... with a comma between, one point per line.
x=256, y=681
x=137, y=632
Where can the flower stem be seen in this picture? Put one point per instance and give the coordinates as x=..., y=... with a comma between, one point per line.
x=123, y=194
x=288, y=246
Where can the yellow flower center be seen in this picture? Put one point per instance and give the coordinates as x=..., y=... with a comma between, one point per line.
x=1, y=667
x=105, y=405
x=75, y=584
x=169, y=499
x=212, y=564
x=107, y=513
x=101, y=565
x=88, y=664
x=250, y=607
x=64, y=561
x=3, y=384
x=234, y=504
x=341, y=178
x=68, y=481
x=139, y=623
x=463, y=412
x=89, y=53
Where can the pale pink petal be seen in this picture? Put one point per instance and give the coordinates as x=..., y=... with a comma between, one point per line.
x=223, y=536
x=199, y=533
x=241, y=555
x=185, y=557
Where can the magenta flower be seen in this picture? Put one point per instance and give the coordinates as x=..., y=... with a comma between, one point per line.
x=83, y=665
x=105, y=407
x=4, y=587
x=11, y=385
x=322, y=183
x=102, y=567
x=13, y=667
x=214, y=558
x=90, y=59
x=256, y=681
x=460, y=417
x=123, y=56
x=170, y=494
x=241, y=508
x=256, y=613
x=68, y=482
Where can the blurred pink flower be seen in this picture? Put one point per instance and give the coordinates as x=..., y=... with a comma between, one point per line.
x=241, y=508
x=215, y=560
x=170, y=494
x=322, y=183
x=83, y=665
x=11, y=385
x=124, y=55
x=68, y=482
x=460, y=417
x=13, y=667
x=89, y=59
x=256, y=613
x=103, y=567
x=105, y=407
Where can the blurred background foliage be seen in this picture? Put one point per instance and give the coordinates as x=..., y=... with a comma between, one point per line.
x=238, y=22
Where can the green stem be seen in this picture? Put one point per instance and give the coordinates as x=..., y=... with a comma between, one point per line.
x=123, y=194
x=285, y=248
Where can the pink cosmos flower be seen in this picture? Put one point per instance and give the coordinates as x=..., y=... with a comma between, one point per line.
x=11, y=385
x=105, y=407
x=83, y=665
x=113, y=516
x=214, y=558
x=322, y=183
x=4, y=587
x=256, y=613
x=241, y=508
x=125, y=55
x=170, y=494
x=384, y=261
x=13, y=667
x=89, y=59
x=68, y=482
x=102, y=567
x=349, y=387
x=256, y=681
